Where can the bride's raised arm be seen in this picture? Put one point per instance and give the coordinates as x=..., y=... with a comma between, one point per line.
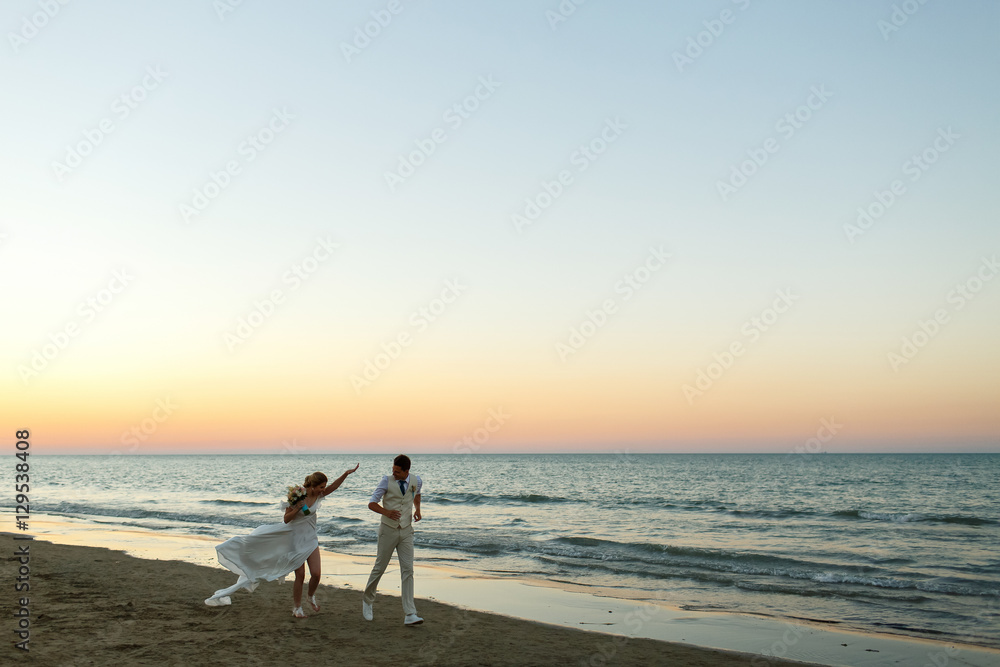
x=330, y=488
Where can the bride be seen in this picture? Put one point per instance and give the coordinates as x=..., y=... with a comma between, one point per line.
x=272, y=551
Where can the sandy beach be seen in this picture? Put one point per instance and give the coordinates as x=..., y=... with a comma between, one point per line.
x=95, y=606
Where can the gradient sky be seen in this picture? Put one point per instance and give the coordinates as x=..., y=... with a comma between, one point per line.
x=517, y=293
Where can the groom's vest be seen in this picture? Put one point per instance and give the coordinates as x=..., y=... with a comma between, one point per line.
x=395, y=500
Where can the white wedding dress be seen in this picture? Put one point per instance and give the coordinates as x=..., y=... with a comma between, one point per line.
x=270, y=552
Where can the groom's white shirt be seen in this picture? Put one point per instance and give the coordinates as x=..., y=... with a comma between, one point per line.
x=383, y=486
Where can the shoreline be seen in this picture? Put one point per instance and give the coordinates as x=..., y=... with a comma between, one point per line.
x=519, y=598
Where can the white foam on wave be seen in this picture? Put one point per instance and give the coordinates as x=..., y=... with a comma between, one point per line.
x=896, y=518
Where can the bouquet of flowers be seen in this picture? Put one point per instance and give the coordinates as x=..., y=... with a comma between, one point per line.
x=295, y=494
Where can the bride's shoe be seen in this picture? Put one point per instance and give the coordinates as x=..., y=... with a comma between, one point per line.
x=298, y=613
x=312, y=601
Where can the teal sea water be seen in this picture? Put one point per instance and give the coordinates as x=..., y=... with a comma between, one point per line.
x=899, y=543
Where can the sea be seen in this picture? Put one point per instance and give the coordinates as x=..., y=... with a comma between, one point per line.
x=895, y=543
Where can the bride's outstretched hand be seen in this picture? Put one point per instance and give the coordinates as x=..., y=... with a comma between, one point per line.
x=350, y=470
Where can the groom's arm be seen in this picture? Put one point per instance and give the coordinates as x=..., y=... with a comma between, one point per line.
x=378, y=509
x=373, y=503
x=416, y=499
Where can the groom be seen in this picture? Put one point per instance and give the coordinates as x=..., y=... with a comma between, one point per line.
x=400, y=496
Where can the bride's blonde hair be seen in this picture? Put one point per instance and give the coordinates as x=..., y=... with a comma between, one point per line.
x=315, y=479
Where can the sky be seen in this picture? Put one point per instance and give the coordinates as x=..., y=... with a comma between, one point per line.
x=382, y=226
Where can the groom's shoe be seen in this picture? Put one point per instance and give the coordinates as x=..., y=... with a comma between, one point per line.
x=366, y=610
x=412, y=619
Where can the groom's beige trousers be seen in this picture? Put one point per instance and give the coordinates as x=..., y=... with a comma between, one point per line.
x=399, y=540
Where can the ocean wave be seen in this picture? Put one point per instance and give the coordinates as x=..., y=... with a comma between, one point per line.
x=772, y=514
x=252, y=520
x=536, y=498
x=811, y=590
x=220, y=501
x=689, y=505
x=959, y=586
x=329, y=528
x=480, y=548
x=845, y=578
x=690, y=561
x=785, y=582
x=913, y=517
x=668, y=554
x=645, y=502
x=780, y=513
x=531, y=498
x=454, y=498
x=75, y=509
x=719, y=507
